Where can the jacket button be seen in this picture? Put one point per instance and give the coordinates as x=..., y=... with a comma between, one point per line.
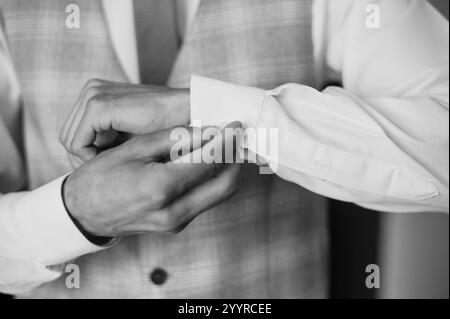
x=158, y=276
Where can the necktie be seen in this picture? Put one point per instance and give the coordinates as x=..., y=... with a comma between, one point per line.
x=157, y=39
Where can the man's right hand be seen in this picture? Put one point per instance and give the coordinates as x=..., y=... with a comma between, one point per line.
x=107, y=112
x=132, y=189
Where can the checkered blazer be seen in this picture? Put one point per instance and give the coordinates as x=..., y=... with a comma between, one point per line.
x=270, y=240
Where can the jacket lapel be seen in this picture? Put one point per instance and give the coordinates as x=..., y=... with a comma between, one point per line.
x=120, y=23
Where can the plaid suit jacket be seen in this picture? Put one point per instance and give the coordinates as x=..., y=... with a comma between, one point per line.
x=270, y=240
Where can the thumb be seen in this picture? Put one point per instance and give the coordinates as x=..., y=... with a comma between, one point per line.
x=166, y=143
x=219, y=147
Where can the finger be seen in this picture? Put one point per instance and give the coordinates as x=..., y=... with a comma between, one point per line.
x=232, y=134
x=109, y=139
x=84, y=97
x=164, y=144
x=68, y=124
x=199, y=165
x=95, y=120
x=220, y=148
x=75, y=121
x=90, y=91
x=100, y=117
x=74, y=161
x=205, y=196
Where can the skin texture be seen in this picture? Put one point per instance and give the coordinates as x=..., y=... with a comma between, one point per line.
x=124, y=184
x=132, y=189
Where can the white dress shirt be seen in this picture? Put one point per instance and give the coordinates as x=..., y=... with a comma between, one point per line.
x=381, y=141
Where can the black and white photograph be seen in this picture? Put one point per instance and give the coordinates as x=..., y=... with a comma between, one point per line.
x=221, y=155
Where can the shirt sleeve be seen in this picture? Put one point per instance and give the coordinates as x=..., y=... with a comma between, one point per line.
x=382, y=139
x=36, y=233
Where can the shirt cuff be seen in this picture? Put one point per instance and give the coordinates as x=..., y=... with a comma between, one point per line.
x=47, y=230
x=217, y=103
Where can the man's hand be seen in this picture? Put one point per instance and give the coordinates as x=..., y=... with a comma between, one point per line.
x=105, y=109
x=133, y=189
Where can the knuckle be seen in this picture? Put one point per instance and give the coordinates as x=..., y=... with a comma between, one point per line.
x=167, y=221
x=159, y=199
x=92, y=88
x=92, y=92
x=94, y=83
x=94, y=104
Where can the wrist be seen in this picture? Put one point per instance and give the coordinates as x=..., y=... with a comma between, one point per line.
x=70, y=206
